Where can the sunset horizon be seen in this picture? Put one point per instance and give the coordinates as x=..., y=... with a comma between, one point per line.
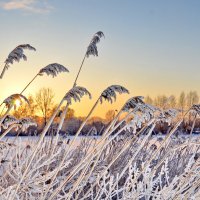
x=143, y=51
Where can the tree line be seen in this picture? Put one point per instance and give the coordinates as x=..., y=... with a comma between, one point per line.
x=183, y=102
x=42, y=105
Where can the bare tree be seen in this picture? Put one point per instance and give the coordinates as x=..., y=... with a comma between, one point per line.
x=192, y=98
x=182, y=102
x=172, y=101
x=44, y=99
x=148, y=100
x=161, y=101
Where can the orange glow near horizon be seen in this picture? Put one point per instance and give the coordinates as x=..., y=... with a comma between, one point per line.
x=19, y=75
x=150, y=48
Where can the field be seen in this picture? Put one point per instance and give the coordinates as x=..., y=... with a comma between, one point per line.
x=115, y=167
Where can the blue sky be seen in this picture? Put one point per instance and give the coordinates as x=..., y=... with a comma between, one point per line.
x=151, y=47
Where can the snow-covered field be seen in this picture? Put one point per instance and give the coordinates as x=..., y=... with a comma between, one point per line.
x=125, y=167
x=126, y=162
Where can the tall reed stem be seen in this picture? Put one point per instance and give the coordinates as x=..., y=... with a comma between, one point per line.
x=36, y=148
x=29, y=83
x=104, y=136
x=127, y=144
x=68, y=149
x=59, y=128
x=7, y=131
x=4, y=69
x=9, y=109
x=79, y=71
x=93, y=153
x=154, y=155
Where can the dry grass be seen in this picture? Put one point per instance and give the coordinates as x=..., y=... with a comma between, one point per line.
x=130, y=166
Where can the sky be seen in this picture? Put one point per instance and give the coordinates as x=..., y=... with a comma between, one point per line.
x=150, y=47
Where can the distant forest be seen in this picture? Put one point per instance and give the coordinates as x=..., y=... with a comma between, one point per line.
x=43, y=102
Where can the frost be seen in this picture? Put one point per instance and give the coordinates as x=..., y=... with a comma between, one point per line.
x=109, y=94
x=53, y=69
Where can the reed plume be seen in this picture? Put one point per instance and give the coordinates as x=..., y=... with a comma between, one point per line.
x=91, y=50
x=15, y=56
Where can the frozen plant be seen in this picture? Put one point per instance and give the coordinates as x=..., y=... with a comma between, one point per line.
x=16, y=55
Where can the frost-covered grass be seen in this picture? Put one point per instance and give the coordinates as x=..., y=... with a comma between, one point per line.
x=129, y=164
x=128, y=167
